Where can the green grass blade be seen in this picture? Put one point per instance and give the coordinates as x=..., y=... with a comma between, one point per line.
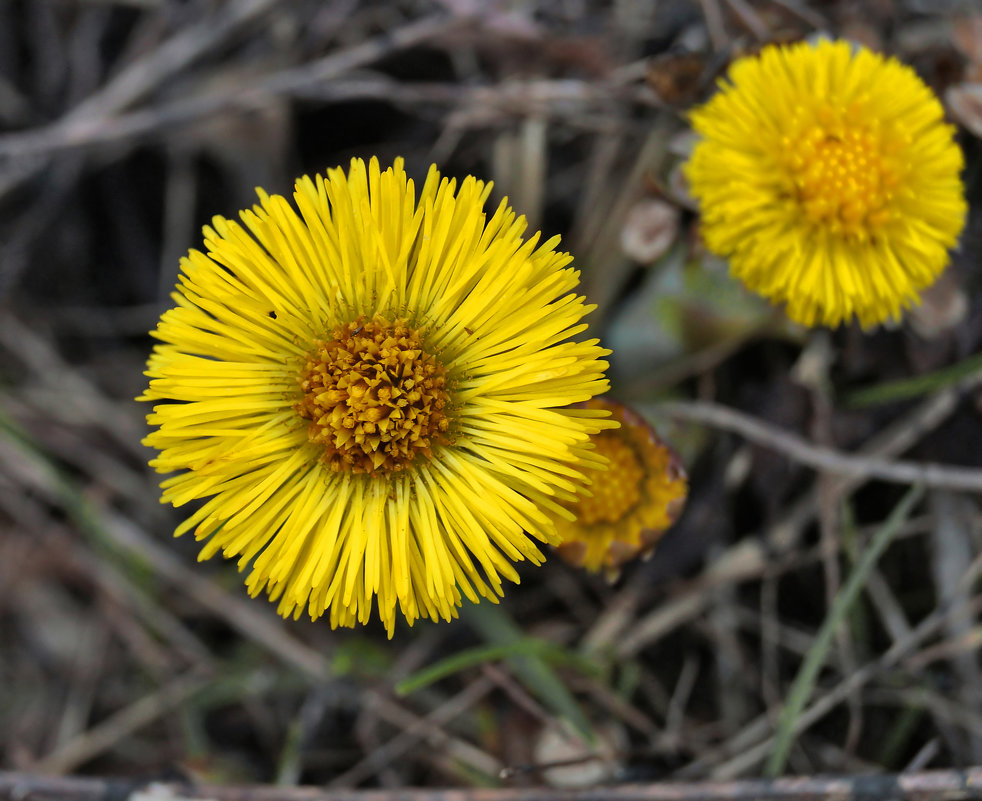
x=915, y=386
x=468, y=658
x=531, y=668
x=473, y=657
x=804, y=682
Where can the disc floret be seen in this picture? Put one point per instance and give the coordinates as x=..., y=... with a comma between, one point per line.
x=375, y=398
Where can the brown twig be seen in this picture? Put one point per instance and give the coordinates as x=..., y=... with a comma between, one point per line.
x=316, y=81
x=821, y=458
x=174, y=55
x=751, y=557
x=140, y=78
x=93, y=127
x=118, y=726
x=428, y=729
x=950, y=785
x=758, y=731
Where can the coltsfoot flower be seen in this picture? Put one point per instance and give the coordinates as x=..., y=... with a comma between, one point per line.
x=373, y=396
x=827, y=176
x=632, y=502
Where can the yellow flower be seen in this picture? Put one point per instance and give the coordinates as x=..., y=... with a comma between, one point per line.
x=825, y=173
x=373, y=394
x=633, y=502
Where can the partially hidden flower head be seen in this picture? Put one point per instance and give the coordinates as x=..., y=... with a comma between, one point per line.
x=371, y=393
x=631, y=503
x=827, y=176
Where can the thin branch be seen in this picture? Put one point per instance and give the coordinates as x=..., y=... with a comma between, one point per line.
x=950, y=785
x=751, y=557
x=119, y=726
x=135, y=81
x=314, y=82
x=99, y=124
x=758, y=731
x=828, y=460
x=170, y=58
x=428, y=729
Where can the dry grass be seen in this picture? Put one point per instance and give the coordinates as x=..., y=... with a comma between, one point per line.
x=125, y=124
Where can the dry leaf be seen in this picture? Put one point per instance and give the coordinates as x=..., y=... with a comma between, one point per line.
x=964, y=101
x=966, y=34
x=943, y=307
x=649, y=230
x=572, y=764
x=677, y=77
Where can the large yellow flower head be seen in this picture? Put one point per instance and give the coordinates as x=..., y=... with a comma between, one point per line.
x=827, y=176
x=373, y=394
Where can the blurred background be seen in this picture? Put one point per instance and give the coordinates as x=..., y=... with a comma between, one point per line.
x=126, y=124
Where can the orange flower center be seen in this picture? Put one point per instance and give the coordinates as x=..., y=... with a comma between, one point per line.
x=617, y=490
x=843, y=176
x=374, y=397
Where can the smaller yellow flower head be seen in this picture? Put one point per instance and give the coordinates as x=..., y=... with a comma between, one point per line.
x=632, y=502
x=828, y=178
